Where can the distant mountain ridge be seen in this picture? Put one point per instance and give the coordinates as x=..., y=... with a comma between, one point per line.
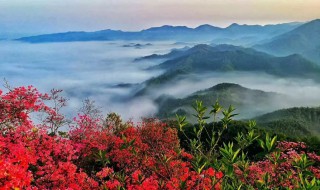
x=204, y=59
x=223, y=58
x=167, y=32
x=304, y=40
x=174, y=53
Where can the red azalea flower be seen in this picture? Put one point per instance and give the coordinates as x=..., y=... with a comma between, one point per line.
x=219, y=175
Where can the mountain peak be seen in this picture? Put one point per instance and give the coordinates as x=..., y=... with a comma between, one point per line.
x=222, y=86
x=207, y=27
x=204, y=25
x=167, y=28
x=233, y=25
x=311, y=23
x=315, y=21
x=245, y=26
x=200, y=48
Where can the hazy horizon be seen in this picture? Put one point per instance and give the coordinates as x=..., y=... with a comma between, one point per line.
x=38, y=16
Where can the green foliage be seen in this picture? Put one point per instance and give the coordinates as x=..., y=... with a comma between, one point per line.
x=299, y=122
x=205, y=139
x=227, y=116
x=215, y=110
x=268, y=144
x=245, y=140
x=231, y=147
x=302, y=163
x=101, y=158
x=229, y=156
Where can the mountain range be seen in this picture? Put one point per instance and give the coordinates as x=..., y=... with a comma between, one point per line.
x=235, y=58
x=202, y=59
x=243, y=34
x=279, y=39
x=304, y=40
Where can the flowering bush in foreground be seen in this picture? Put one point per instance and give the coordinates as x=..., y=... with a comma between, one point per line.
x=289, y=167
x=110, y=154
x=94, y=155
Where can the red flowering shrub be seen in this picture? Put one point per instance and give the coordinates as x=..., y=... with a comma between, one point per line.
x=29, y=157
x=146, y=156
x=109, y=154
x=93, y=155
x=281, y=169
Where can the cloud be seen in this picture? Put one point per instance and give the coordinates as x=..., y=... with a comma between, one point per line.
x=295, y=92
x=94, y=70
x=83, y=70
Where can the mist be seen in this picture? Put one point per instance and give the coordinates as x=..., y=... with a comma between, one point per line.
x=107, y=73
x=306, y=90
x=82, y=70
x=291, y=92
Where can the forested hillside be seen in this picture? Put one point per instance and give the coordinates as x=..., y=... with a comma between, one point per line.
x=301, y=122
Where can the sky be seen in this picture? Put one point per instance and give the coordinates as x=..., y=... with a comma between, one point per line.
x=45, y=16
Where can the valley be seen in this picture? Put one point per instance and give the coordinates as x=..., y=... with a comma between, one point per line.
x=164, y=70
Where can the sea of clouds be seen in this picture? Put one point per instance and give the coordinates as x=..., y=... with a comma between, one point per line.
x=107, y=73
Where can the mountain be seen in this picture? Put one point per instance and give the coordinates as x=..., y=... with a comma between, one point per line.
x=301, y=122
x=269, y=29
x=249, y=35
x=179, y=33
x=208, y=28
x=167, y=29
x=165, y=32
x=234, y=58
x=174, y=53
x=103, y=35
x=247, y=101
x=304, y=40
x=226, y=58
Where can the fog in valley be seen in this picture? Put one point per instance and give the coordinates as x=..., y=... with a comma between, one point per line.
x=107, y=73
